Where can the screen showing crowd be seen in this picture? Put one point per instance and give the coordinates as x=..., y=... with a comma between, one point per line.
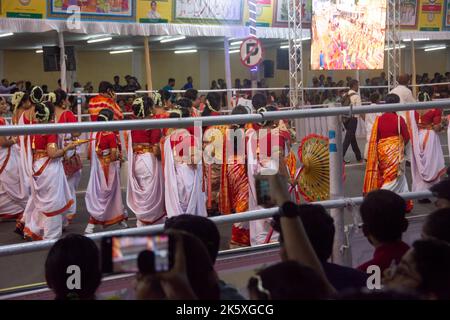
x=348, y=34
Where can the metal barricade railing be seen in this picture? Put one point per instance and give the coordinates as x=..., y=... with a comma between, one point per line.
x=333, y=112
x=216, y=120
x=225, y=219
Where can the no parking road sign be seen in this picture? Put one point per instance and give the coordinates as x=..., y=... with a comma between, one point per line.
x=251, y=52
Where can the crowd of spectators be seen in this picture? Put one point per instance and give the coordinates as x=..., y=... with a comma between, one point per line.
x=419, y=271
x=320, y=94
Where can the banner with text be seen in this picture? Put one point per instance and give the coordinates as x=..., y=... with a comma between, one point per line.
x=102, y=10
x=430, y=16
x=31, y=9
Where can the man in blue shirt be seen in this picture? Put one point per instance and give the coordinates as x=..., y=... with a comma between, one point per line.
x=322, y=60
x=169, y=87
x=189, y=84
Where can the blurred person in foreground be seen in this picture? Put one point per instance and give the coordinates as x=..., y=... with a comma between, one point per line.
x=441, y=191
x=424, y=269
x=288, y=280
x=206, y=231
x=191, y=277
x=437, y=225
x=383, y=216
x=307, y=270
x=71, y=250
x=319, y=227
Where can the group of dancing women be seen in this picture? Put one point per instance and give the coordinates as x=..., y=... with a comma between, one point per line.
x=164, y=171
x=174, y=171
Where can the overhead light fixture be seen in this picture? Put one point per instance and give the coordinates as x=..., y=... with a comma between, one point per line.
x=2, y=35
x=435, y=48
x=234, y=51
x=185, y=51
x=173, y=39
x=416, y=40
x=284, y=46
x=303, y=39
x=121, y=51
x=402, y=46
x=39, y=51
x=99, y=40
x=235, y=43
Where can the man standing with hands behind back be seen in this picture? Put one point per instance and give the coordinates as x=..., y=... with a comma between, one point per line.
x=353, y=99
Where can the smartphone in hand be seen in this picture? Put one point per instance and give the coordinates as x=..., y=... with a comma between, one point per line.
x=130, y=254
x=263, y=191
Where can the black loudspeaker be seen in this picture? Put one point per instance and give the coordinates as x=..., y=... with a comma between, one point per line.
x=52, y=58
x=268, y=68
x=283, y=59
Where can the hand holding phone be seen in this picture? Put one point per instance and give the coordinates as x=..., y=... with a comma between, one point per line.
x=124, y=254
x=263, y=192
x=271, y=190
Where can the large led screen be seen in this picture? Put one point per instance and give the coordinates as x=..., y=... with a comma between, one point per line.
x=348, y=34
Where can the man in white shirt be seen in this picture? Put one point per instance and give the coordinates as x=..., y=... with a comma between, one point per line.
x=351, y=124
x=403, y=92
x=406, y=96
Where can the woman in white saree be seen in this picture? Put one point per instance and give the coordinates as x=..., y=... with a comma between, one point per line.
x=103, y=193
x=50, y=193
x=265, y=156
x=183, y=169
x=427, y=163
x=145, y=187
x=13, y=194
x=72, y=161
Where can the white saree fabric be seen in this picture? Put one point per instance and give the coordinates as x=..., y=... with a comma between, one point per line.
x=145, y=186
x=259, y=229
x=104, y=198
x=183, y=185
x=427, y=162
x=13, y=191
x=50, y=198
x=74, y=179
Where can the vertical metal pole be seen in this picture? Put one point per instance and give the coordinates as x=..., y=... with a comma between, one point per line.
x=413, y=60
x=226, y=48
x=62, y=61
x=148, y=68
x=252, y=7
x=79, y=109
x=336, y=185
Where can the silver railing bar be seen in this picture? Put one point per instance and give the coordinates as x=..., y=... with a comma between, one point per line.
x=216, y=120
x=19, y=248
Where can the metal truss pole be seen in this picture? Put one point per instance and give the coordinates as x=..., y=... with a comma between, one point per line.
x=295, y=53
x=393, y=41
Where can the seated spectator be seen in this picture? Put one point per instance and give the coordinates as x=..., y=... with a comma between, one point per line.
x=76, y=250
x=319, y=227
x=437, y=225
x=383, y=216
x=441, y=191
x=288, y=280
x=206, y=230
x=425, y=269
x=192, y=276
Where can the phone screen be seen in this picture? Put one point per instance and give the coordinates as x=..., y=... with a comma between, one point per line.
x=120, y=254
x=263, y=191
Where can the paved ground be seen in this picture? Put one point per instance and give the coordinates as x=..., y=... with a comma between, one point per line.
x=29, y=268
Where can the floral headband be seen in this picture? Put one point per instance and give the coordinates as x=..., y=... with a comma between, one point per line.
x=17, y=99
x=45, y=116
x=157, y=100
x=140, y=102
x=36, y=95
